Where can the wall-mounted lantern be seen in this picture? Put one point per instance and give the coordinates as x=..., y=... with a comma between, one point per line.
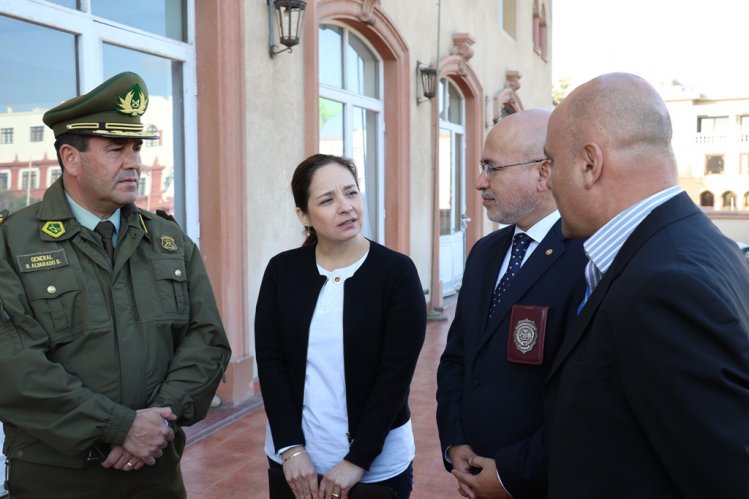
x=428, y=77
x=290, y=14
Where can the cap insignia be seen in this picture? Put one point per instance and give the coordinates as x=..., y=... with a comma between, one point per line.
x=134, y=103
x=53, y=229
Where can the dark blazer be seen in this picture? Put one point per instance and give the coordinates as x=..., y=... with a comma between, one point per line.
x=650, y=389
x=384, y=322
x=484, y=400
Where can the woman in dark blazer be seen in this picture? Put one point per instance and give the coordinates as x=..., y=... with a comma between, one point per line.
x=338, y=329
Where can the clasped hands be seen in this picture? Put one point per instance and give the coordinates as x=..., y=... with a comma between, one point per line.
x=149, y=434
x=477, y=476
x=302, y=478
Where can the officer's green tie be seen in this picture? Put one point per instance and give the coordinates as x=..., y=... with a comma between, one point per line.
x=106, y=231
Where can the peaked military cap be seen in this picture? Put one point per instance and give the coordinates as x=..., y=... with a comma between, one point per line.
x=113, y=109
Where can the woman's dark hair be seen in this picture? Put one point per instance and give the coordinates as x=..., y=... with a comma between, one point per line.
x=302, y=179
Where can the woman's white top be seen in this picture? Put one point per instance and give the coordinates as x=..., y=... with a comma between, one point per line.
x=324, y=415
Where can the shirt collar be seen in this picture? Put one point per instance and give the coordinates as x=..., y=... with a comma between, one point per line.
x=603, y=246
x=538, y=231
x=88, y=219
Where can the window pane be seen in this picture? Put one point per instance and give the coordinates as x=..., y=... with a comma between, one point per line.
x=36, y=133
x=364, y=138
x=713, y=165
x=163, y=164
x=361, y=66
x=446, y=181
x=455, y=109
x=38, y=74
x=331, y=127
x=163, y=17
x=73, y=4
x=331, y=56
x=458, y=179
x=442, y=101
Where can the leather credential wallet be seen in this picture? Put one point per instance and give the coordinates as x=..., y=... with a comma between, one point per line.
x=279, y=488
x=527, y=334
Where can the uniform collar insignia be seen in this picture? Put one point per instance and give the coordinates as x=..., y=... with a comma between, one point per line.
x=54, y=229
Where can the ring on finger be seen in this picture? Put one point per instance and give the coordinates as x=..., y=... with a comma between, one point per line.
x=129, y=463
x=335, y=495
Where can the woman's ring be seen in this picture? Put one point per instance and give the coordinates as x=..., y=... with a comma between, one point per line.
x=129, y=463
x=335, y=495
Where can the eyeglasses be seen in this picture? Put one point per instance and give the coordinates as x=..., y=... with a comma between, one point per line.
x=488, y=169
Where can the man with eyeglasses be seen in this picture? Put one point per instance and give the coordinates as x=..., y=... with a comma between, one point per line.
x=514, y=302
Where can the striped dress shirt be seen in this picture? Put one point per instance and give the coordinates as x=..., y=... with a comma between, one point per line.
x=602, y=247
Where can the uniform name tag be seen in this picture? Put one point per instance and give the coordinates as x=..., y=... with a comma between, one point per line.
x=42, y=261
x=525, y=342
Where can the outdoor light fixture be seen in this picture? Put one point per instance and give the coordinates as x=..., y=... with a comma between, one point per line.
x=428, y=77
x=290, y=14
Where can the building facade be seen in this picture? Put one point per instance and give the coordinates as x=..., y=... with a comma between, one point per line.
x=711, y=143
x=234, y=121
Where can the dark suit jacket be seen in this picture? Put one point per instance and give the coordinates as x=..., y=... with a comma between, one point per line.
x=384, y=322
x=483, y=399
x=651, y=384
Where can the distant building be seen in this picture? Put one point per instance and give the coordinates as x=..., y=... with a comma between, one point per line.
x=28, y=162
x=711, y=143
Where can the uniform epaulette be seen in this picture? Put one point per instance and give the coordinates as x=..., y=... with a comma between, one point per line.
x=166, y=216
x=3, y=216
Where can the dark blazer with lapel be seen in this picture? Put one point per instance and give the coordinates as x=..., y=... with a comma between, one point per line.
x=649, y=394
x=484, y=400
x=384, y=322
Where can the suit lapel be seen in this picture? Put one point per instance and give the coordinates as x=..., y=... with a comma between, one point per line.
x=494, y=258
x=669, y=212
x=546, y=253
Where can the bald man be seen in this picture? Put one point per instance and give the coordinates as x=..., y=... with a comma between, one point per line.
x=649, y=394
x=510, y=315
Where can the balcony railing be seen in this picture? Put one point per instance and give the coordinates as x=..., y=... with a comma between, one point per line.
x=711, y=138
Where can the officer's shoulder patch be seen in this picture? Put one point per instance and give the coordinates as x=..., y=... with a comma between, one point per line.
x=3, y=216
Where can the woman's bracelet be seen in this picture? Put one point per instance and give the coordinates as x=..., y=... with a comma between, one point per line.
x=295, y=454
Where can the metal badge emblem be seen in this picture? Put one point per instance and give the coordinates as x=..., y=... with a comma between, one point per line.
x=167, y=242
x=525, y=335
x=134, y=103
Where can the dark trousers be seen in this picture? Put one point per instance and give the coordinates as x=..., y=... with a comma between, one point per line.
x=402, y=484
x=163, y=480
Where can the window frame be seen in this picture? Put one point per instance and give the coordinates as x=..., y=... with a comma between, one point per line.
x=92, y=33
x=350, y=100
x=51, y=172
x=7, y=174
x=6, y=135
x=35, y=178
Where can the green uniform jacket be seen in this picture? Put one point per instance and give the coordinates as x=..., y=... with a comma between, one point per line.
x=83, y=346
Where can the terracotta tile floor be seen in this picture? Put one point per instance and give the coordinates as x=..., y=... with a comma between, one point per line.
x=229, y=463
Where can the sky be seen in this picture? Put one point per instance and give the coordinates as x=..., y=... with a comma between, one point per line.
x=701, y=43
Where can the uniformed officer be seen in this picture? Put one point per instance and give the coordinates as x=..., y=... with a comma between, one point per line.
x=110, y=338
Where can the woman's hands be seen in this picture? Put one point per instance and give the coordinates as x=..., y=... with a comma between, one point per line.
x=302, y=478
x=338, y=481
x=300, y=473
